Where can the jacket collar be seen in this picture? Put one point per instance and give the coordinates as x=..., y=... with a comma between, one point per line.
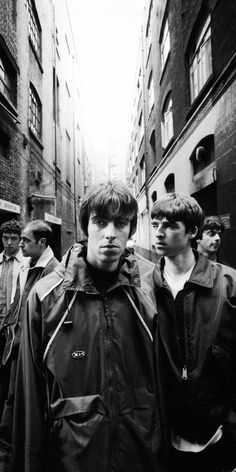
x=76, y=273
x=202, y=273
x=18, y=256
x=44, y=259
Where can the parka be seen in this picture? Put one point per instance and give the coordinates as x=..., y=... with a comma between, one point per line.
x=86, y=385
x=196, y=351
x=11, y=332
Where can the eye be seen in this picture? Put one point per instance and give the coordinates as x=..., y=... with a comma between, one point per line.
x=99, y=222
x=121, y=223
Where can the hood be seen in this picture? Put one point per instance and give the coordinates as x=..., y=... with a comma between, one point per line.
x=75, y=272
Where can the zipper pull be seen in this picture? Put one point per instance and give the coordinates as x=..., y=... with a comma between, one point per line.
x=184, y=373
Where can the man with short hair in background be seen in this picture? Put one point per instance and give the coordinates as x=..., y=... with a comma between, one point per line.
x=196, y=343
x=209, y=239
x=11, y=260
x=39, y=261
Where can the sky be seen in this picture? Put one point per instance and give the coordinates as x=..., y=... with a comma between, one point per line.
x=107, y=36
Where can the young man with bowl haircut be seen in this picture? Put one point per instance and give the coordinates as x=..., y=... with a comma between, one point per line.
x=87, y=354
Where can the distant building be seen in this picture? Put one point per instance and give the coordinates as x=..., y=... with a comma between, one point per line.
x=183, y=130
x=42, y=153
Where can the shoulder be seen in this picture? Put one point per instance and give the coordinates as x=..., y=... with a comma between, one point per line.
x=52, y=263
x=46, y=285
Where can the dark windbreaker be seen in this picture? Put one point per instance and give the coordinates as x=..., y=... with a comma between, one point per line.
x=86, y=385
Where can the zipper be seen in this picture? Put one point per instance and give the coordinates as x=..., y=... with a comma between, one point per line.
x=184, y=373
x=109, y=369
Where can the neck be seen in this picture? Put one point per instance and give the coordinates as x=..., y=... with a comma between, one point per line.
x=12, y=254
x=181, y=263
x=210, y=255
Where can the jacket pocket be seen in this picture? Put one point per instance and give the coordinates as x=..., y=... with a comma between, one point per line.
x=79, y=434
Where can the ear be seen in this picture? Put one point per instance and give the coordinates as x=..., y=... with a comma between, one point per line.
x=42, y=242
x=193, y=232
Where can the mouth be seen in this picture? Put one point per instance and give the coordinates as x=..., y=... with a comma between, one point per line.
x=110, y=246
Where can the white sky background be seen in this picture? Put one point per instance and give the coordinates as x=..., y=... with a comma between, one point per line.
x=107, y=36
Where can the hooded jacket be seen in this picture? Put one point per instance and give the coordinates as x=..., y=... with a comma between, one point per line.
x=86, y=387
x=196, y=350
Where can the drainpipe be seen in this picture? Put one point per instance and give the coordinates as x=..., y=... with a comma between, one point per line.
x=55, y=98
x=146, y=189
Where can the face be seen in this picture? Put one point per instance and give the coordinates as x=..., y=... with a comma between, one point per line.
x=107, y=239
x=170, y=237
x=210, y=242
x=11, y=242
x=29, y=246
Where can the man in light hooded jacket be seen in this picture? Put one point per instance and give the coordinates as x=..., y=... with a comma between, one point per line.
x=86, y=384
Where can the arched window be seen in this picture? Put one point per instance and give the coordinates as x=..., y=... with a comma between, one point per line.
x=170, y=183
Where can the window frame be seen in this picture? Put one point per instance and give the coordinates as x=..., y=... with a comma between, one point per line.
x=151, y=98
x=34, y=29
x=165, y=43
x=167, y=125
x=200, y=60
x=35, y=112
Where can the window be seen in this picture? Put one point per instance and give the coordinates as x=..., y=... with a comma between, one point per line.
x=148, y=43
x=153, y=141
x=203, y=154
x=136, y=183
x=34, y=28
x=200, y=64
x=141, y=128
x=56, y=98
x=170, y=183
x=4, y=144
x=142, y=172
x=154, y=196
x=7, y=80
x=167, y=131
x=165, y=44
x=35, y=112
x=150, y=93
x=68, y=159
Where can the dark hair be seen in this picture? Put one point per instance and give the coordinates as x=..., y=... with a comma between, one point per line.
x=40, y=229
x=11, y=226
x=179, y=207
x=211, y=223
x=103, y=195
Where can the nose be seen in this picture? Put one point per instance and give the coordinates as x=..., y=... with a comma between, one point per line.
x=110, y=231
x=217, y=237
x=21, y=243
x=159, y=231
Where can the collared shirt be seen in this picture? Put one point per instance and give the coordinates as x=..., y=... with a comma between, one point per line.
x=9, y=269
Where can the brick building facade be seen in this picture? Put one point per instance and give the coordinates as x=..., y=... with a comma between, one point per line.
x=186, y=84
x=42, y=154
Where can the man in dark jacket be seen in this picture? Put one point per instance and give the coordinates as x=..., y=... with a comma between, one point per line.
x=196, y=303
x=86, y=383
x=39, y=261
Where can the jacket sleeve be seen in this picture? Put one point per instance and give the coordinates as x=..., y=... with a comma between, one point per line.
x=29, y=438
x=224, y=344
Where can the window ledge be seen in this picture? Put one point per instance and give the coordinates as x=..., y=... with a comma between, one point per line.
x=8, y=106
x=36, y=139
x=200, y=96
